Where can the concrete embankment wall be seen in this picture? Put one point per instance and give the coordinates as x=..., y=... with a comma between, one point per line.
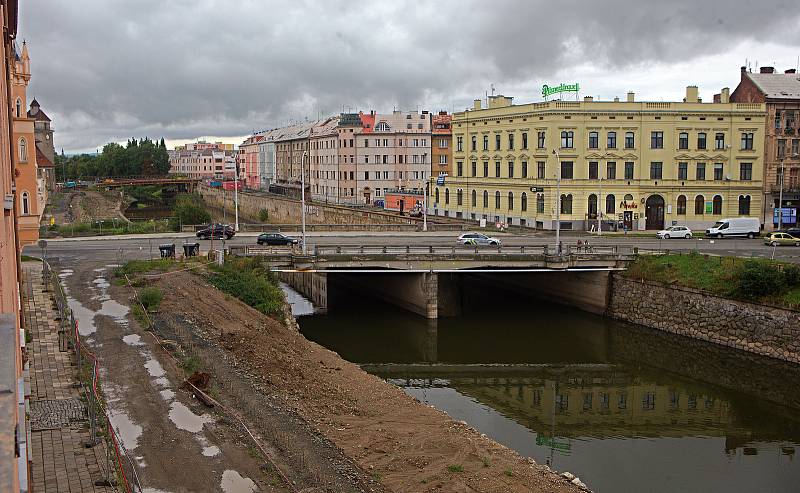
x=751, y=327
x=287, y=210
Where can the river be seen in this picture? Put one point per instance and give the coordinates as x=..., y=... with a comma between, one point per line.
x=625, y=408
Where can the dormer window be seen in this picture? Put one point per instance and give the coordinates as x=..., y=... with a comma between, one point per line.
x=382, y=127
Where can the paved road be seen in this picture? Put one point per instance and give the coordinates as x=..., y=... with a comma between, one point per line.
x=143, y=246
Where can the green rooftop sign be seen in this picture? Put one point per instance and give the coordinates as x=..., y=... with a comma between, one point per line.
x=549, y=91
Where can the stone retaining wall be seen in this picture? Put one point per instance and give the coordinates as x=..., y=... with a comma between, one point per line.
x=759, y=329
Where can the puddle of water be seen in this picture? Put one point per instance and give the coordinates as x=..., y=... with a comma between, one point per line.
x=185, y=419
x=162, y=382
x=127, y=431
x=115, y=310
x=65, y=273
x=83, y=315
x=133, y=340
x=154, y=368
x=208, y=449
x=233, y=482
x=167, y=394
x=154, y=490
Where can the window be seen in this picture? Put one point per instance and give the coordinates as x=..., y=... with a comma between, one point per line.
x=524, y=169
x=795, y=146
x=717, y=171
x=459, y=143
x=592, y=170
x=611, y=140
x=523, y=202
x=436, y=195
x=474, y=198
x=540, y=203
x=497, y=142
x=746, y=171
x=566, y=204
x=747, y=141
x=701, y=140
x=524, y=140
x=474, y=168
x=719, y=140
x=459, y=197
x=540, y=140
x=511, y=169
x=655, y=170
x=19, y=108
x=649, y=401
x=446, y=195
x=486, y=169
x=592, y=206
x=683, y=171
x=566, y=170
x=629, y=170
x=611, y=170
x=485, y=142
x=656, y=140
x=699, y=205
x=700, y=174
x=497, y=200
x=23, y=150
x=592, y=140
x=511, y=142
x=781, y=148
x=26, y=206
x=459, y=169
x=567, y=137
x=682, y=205
x=744, y=205
x=474, y=143
x=778, y=119
x=717, y=204
x=683, y=140
x=485, y=199
x=442, y=159
x=540, y=170
x=611, y=204
x=629, y=140
x=511, y=201
x=497, y=169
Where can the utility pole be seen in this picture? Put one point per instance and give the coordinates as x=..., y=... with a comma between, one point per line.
x=236, y=198
x=599, y=201
x=780, y=199
x=425, y=206
x=303, y=198
x=558, y=200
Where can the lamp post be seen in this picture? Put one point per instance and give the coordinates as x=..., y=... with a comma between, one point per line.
x=780, y=199
x=558, y=200
x=599, y=200
x=236, y=198
x=425, y=206
x=303, y=198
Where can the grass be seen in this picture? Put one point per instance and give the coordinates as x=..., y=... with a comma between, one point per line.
x=376, y=476
x=151, y=298
x=486, y=461
x=249, y=280
x=723, y=276
x=111, y=227
x=140, y=316
x=455, y=468
x=190, y=364
x=142, y=266
x=509, y=473
x=29, y=258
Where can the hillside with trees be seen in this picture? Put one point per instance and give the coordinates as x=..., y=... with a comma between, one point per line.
x=142, y=157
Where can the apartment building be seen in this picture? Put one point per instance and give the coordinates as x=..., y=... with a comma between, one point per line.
x=640, y=165
x=781, y=94
x=203, y=160
x=441, y=144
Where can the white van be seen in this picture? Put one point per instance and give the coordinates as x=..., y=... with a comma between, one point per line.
x=735, y=226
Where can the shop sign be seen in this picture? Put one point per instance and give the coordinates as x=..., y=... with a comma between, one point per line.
x=709, y=207
x=630, y=204
x=549, y=91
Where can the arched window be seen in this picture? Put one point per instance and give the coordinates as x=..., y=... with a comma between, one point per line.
x=523, y=202
x=382, y=127
x=717, y=207
x=446, y=195
x=699, y=205
x=683, y=140
x=682, y=204
x=19, y=108
x=459, y=197
x=497, y=200
x=485, y=199
x=540, y=203
x=567, y=139
x=611, y=204
x=474, y=198
x=23, y=150
x=436, y=195
x=566, y=204
x=744, y=205
x=628, y=197
x=511, y=201
x=629, y=141
x=26, y=204
x=592, y=206
x=592, y=140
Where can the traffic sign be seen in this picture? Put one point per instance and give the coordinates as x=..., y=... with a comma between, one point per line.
x=537, y=189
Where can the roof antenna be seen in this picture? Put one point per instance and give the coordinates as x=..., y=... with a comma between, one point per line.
x=491, y=86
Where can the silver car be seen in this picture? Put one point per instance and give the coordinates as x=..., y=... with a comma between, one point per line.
x=477, y=239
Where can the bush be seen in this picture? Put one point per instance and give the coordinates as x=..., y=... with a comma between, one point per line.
x=757, y=280
x=190, y=209
x=791, y=273
x=248, y=280
x=263, y=215
x=151, y=298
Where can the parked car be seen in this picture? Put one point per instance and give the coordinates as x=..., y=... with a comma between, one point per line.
x=216, y=231
x=792, y=231
x=275, y=239
x=776, y=239
x=675, y=232
x=477, y=239
x=736, y=226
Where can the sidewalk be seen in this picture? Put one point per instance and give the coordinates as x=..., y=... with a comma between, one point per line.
x=58, y=417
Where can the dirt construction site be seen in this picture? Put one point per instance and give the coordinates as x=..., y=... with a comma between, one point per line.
x=270, y=410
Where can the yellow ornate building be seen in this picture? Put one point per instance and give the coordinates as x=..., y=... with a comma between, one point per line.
x=647, y=164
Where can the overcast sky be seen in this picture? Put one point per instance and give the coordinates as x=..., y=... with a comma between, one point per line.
x=107, y=70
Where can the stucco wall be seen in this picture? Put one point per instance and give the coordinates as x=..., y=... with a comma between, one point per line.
x=750, y=327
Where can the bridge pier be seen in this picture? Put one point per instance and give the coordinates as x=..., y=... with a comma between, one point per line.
x=312, y=285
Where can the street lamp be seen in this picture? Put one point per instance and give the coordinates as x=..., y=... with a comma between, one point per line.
x=558, y=201
x=303, y=198
x=780, y=195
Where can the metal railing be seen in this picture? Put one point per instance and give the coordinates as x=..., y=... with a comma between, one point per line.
x=119, y=466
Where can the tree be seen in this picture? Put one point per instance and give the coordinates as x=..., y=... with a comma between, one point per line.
x=137, y=157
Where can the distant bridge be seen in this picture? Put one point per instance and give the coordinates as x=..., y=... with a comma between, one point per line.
x=183, y=184
x=430, y=280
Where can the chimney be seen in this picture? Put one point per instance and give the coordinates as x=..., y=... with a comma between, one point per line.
x=588, y=99
x=630, y=96
x=725, y=95
x=442, y=113
x=691, y=95
x=743, y=69
x=791, y=71
x=767, y=70
x=476, y=104
x=616, y=99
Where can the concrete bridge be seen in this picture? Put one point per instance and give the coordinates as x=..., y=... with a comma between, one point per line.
x=433, y=281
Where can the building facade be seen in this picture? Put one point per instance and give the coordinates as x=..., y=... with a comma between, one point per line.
x=640, y=165
x=441, y=144
x=203, y=160
x=45, y=148
x=781, y=94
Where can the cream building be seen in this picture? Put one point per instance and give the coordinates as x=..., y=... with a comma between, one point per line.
x=647, y=164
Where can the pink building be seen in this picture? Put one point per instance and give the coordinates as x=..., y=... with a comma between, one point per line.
x=203, y=160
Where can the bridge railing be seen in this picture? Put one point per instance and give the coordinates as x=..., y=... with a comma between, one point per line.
x=525, y=250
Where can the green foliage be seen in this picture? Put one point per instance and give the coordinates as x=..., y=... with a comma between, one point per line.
x=113, y=227
x=250, y=281
x=263, y=215
x=148, y=193
x=190, y=209
x=757, y=281
x=791, y=274
x=190, y=364
x=140, y=316
x=151, y=298
x=137, y=157
x=455, y=468
x=142, y=266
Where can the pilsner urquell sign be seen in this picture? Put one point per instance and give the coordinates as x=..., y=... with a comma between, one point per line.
x=549, y=91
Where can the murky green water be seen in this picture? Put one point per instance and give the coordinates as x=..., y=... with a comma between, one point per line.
x=627, y=409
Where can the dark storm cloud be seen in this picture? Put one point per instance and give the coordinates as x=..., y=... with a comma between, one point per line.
x=109, y=69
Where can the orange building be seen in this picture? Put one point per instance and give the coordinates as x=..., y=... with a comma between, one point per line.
x=441, y=145
x=31, y=193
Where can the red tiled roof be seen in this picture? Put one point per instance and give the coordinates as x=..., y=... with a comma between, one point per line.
x=367, y=122
x=42, y=161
